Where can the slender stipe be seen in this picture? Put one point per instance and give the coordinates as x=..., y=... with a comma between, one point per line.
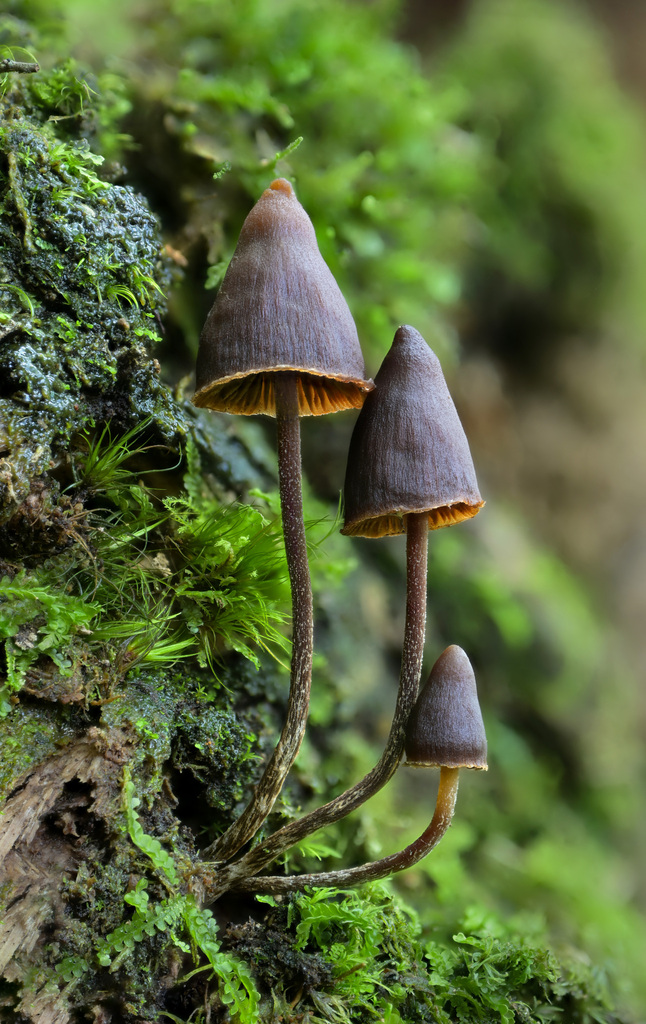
x=411, y=667
x=444, y=808
x=286, y=750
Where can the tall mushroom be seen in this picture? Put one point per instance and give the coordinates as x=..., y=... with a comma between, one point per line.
x=280, y=340
x=445, y=731
x=409, y=470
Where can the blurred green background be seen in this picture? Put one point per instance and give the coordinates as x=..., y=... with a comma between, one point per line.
x=477, y=170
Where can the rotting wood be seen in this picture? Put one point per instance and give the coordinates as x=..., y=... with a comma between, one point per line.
x=35, y=857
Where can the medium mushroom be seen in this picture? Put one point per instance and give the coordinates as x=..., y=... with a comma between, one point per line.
x=280, y=340
x=409, y=454
x=445, y=731
x=409, y=470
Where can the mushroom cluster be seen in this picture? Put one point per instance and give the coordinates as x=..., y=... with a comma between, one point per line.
x=280, y=340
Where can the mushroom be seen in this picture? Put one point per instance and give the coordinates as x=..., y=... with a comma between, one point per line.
x=279, y=315
x=409, y=470
x=445, y=730
x=409, y=455
x=280, y=340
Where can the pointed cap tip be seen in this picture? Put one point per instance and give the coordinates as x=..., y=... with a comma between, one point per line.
x=405, y=332
x=416, y=345
x=282, y=185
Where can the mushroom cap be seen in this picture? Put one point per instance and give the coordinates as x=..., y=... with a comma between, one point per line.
x=445, y=728
x=279, y=309
x=408, y=452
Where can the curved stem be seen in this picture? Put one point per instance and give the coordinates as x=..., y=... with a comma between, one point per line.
x=291, y=500
x=444, y=807
x=411, y=668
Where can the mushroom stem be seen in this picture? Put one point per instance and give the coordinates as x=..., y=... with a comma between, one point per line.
x=444, y=808
x=291, y=500
x=411, y=667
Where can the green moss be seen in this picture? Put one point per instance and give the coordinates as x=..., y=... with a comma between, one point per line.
x=215, y=747
x=354, y=957
x=42, y=732
x=137, y=948
x=81, y=281
x=154, y=581
x=209, y=751
x=35, y=621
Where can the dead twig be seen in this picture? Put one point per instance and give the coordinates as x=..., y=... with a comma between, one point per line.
x=21, y=67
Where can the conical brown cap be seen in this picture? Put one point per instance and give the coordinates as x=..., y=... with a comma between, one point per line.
x=445, y=728
x=408, y=452
x=279, y=308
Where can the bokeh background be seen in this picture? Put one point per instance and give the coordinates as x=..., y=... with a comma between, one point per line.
x=478, y=170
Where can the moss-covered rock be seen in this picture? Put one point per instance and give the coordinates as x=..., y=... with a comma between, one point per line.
x=81, y=282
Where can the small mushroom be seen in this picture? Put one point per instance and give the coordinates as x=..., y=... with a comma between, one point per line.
x=280, y=340
x=445, y=728
x=446, y=731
